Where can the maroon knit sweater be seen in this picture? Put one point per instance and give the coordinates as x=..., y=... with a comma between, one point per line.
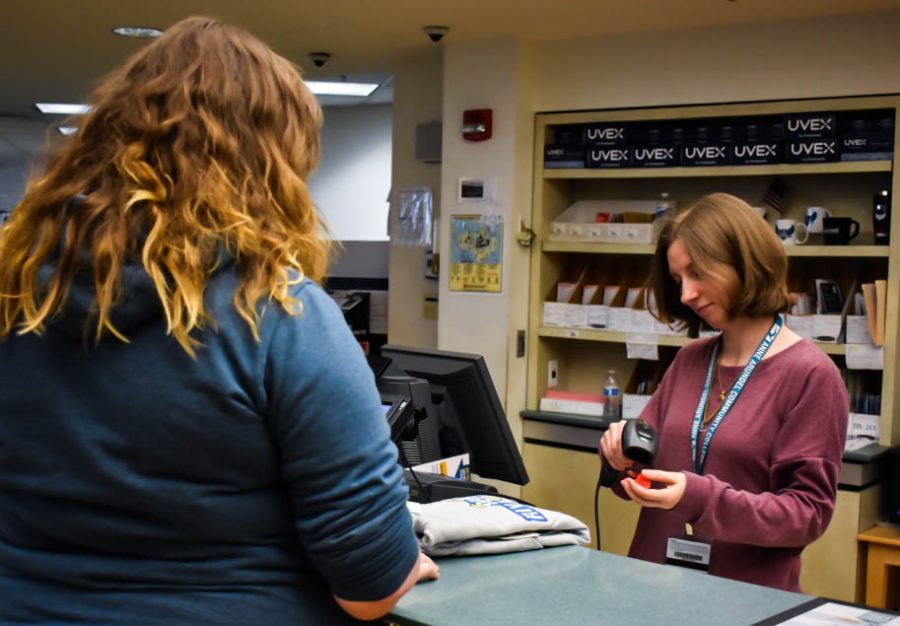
x=769, y=484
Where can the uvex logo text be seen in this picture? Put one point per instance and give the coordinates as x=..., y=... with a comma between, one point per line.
x=810, y=124
x=654, y=154
x=813, y=148
x=704, y=152
x=612, y=154
x=758, y=151
x=606, y=134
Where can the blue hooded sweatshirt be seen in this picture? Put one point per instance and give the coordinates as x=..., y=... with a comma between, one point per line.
x=141, y=486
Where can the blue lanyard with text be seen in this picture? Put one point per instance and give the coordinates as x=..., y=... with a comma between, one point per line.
x=736, y=390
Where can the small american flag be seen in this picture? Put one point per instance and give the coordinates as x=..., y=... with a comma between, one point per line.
x=776, y=195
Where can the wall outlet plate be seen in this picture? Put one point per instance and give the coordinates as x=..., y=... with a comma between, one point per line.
x=552, y=373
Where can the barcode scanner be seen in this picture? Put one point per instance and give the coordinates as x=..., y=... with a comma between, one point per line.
x=639, y=443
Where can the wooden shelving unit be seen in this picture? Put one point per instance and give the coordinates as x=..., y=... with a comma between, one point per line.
x=583, y=355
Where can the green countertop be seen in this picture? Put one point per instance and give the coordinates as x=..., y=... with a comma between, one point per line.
x=580, y=586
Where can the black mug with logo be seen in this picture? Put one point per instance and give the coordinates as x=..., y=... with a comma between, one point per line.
x=839, y=231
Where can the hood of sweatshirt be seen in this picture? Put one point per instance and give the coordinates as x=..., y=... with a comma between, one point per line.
x=138, y=305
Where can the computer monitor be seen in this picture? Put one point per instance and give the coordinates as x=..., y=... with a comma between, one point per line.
x=462, y=388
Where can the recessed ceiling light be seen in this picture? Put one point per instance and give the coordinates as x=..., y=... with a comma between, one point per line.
x=326, y=88
x=68, y=130
x=137, y=31
x=318, y=87
x=56, y=108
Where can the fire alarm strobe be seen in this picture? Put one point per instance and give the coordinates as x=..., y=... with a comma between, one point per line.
x=477, y=124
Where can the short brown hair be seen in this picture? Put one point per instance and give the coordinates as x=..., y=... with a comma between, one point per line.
x=720, y=229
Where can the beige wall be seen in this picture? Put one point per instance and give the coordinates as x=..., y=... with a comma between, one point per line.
x=488, y=75
x=810, y=58
x=418, y=98
x=782, y=60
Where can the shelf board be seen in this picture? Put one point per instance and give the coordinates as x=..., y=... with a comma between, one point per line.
x=781, y=169
x=592, y=247
x=839, y=251
x=607, y=336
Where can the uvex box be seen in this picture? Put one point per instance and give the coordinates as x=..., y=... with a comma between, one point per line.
x=757, y=152
x=822, y=150
x=652, y=145
x=810, y=125
x=699, y=154
x=570, y=134
x=606, y=134
x=563, y=155
x=608, y=156
x=704, y=145
x=655, y=155
x=565, y=146
x=759, y=128
x=866, y=135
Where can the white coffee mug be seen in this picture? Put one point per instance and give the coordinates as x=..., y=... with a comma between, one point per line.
x=814, y=217
x=787, y=231
x=762, y=211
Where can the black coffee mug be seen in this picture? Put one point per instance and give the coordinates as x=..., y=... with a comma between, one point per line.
x=839, y=231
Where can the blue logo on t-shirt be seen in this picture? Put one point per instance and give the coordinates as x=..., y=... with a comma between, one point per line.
x=526, y=512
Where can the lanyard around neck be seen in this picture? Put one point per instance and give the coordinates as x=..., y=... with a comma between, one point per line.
x=736, y=390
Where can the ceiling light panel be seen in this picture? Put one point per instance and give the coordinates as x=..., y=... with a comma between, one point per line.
x=137, y=31
x=325, y=88
x=58, y=108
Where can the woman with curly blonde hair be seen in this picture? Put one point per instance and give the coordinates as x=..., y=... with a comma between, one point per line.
x=189, y=432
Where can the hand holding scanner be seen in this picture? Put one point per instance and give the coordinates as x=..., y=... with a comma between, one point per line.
x=639, y=443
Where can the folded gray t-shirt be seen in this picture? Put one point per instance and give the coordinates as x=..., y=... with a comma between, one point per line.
x=488, y=524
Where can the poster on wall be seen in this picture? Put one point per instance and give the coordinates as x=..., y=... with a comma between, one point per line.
x=476, y=253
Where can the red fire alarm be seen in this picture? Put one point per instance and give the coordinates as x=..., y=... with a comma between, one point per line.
x=477, y=124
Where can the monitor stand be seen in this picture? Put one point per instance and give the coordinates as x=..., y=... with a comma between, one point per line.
x=437, y=487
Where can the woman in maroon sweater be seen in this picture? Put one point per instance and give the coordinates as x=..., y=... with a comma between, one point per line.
x=751, y=423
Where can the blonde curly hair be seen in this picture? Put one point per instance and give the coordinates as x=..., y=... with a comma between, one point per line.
x=199, y=145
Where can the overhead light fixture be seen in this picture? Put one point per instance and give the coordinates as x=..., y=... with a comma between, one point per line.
x=56, y=108
x=328, y=88
x=68, y=130
x=137, y=31
x=318, y=87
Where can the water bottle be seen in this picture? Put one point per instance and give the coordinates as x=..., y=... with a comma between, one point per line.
x=612, y=399
x=664, y=206
x=881, y=217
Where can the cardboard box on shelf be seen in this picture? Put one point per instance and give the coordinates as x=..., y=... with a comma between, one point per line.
x=562, y=303
x=579, y=222
x=857, y=330
x=801, y=324
x=641, y=386
x=572, y=402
